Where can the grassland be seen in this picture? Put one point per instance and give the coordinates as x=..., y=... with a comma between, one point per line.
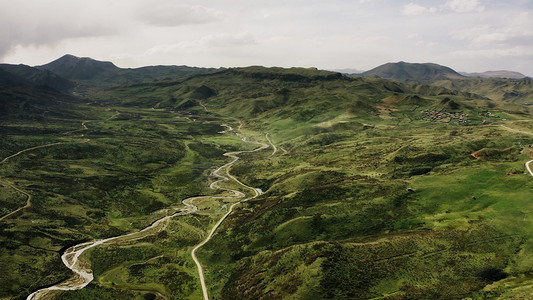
x=376, y=190
x=113, y=176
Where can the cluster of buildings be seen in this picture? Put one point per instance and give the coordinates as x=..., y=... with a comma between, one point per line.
x=434, y=116
x=491, y=115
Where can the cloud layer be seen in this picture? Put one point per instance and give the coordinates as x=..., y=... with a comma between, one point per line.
x=467, y=35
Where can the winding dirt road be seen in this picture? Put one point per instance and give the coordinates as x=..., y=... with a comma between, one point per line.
x=225, y=177
x=516, y=130
x=29, y=149
x=83, y=274
x=28, y=195
x=521, y=132
x=274, y=148
x=528, y=167
x=28, y=200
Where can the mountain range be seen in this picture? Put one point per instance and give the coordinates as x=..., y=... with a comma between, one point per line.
x=103, y=73
x=22, y=75
x=496, y=88
x=70, y=71
x=406, y=183
x=496, y=74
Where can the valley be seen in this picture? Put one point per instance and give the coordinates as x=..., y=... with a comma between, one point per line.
x=262, y=183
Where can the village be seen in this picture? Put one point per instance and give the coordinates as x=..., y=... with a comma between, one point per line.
x=460, y=118
x=437, y=116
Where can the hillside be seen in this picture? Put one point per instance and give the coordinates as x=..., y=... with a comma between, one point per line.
x=510, y=90
x=105, y=74
x=412, y=72
x=489, y=84
x=344, y=188
x=22, y=75
x=9, y=79
x=252, y=91
x=496, y=74
x=78, y=68
x=359, y=176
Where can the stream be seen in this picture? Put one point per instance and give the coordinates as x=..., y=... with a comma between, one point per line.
x=83, y=274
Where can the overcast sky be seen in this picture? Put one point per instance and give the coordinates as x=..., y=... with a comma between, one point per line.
x=467, y=35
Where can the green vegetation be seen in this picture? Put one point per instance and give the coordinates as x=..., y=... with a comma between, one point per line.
x=518, y=90
x=377, y=189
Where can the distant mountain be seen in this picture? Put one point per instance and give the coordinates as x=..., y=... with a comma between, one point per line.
x=413, y=72
x=505, y=89
x=495, y=85
x=23, y=75
x=27, y=93
x=496, y=74
x=79, y=68
x=105, y=74
x=9, y=79
x=154, y=73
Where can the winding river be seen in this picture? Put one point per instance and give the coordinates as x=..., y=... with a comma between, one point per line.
x=82, y=272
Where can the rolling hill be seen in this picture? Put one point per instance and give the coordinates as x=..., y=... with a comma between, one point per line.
x=79, y=68
x=93, y=72
x=489, y=85
x=22, y=75
x=369, y=188
x=413, y=72
x=496, y=74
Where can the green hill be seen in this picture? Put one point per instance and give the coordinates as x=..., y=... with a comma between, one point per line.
x=92, y=72
x=78, y=68
x=370, y=188
x=413, y=72
x=510, y=90
x=496, y=74
x=491, y=85
x=23, y=75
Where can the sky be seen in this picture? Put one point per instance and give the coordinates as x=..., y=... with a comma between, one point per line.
x=466, y=35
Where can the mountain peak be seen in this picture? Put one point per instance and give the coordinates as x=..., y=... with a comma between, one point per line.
x=78, y=68
x=413, y=72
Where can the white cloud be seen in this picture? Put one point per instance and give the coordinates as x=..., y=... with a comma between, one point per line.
x=494, y=53
x=29, y=23
x=339, y=33
x=459, y=6
x=463, y=6
x=163, y=13
x=512, y=33
x=206, y=42
x=414, y=9
x=422, y=43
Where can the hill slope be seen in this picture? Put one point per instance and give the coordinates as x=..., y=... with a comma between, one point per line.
x=338, y=218
x=510, y=90
x=496, y=74
x=369, y=190
x=413, y=72
x=296, y=93
x=22, y=75
x=505, y=89
x=105, y=74
x=79, y=68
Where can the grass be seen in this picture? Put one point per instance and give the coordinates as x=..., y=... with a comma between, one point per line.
x=136, y=162
x=365, y=198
